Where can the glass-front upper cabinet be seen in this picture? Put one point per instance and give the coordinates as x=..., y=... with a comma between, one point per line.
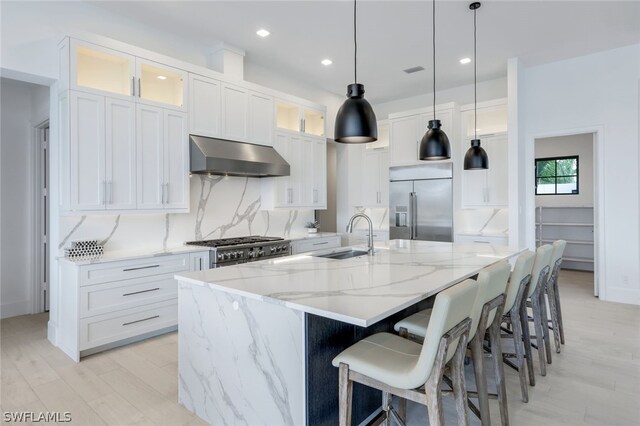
x=100, y=69
x=288, y=116
x=313, y=122
x=161, y=85
x=294, y=117
x=491, y=120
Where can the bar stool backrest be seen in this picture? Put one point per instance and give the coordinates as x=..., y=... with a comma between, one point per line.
x=492, y=282
x=558, y=251
x=451, y=307
x=543, y=257
x=523, y=268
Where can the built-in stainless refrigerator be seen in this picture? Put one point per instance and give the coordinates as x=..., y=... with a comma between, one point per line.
x=421, y=202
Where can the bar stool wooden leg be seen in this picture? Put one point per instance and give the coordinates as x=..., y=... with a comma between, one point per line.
x=434, y=408
x=459, y=386
x=517, y=340
x=545, y=324
x=537, y=315
x=481, y=381
x=496, y=352
x=345, y=395
x=526, y=336
x=551, y=296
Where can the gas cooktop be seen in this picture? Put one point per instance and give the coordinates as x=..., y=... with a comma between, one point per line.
x=230, y=242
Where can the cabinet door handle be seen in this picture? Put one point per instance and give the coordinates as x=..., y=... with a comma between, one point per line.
x=110, y=192
x=140, y=320
x=103, y=196
x=200, y=259
x=139, y=88
x=304, y=125
x=162, y=193
x=320, y=244
x=141, y=291
x=301, y=125
x=166, y=185
x=133, y=86
x=140, y=267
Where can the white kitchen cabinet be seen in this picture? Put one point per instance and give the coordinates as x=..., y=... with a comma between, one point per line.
x=299, y=118
x=161, y=85
x=87, y=151
x=120, y=151
x=407, y=129
x=235, y=112
x=305, y=187
x=199, y=261
x=204, y=110
x=100, y=70
x=488, y=188
x=375, y=178
x=260, y=119
x=163, y=163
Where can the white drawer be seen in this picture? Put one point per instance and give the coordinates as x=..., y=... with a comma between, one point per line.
x=498, y=241
x=117, y=271
x=313, y=244
x=101, y=299
x=103, y=329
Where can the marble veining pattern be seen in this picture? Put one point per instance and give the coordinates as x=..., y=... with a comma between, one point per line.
x=220, y=207
x=260, y=346
x=400, y=274
x=483, y=222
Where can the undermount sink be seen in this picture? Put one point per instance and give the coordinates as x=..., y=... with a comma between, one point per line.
x=347, y=254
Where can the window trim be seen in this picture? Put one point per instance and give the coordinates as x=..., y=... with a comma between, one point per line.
x=556, y=176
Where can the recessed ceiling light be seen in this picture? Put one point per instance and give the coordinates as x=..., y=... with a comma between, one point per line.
x=162, y=77
x=326, y=62
x=262, y=32
x=464, y=61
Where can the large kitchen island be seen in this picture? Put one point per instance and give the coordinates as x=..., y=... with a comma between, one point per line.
x=256, y=340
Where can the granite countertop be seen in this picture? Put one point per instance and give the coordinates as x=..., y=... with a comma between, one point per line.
x=119, y=255
x=361, y=290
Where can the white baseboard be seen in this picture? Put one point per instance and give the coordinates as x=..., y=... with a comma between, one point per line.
x=623, y=295
x=13, y=309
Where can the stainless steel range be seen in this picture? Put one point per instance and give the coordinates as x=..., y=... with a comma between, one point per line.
x=232, y=251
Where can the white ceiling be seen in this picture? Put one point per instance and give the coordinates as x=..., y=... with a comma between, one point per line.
x=393, y=35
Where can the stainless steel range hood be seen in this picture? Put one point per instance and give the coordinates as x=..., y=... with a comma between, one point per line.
x=224, y=157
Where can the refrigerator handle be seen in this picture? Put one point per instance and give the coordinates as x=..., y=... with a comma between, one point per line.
x=414, y=220
x=412, y=215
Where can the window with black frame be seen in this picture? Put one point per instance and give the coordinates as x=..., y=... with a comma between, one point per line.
x=557, y=176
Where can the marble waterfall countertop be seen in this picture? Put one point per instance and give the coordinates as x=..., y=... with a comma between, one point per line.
x=361, y=290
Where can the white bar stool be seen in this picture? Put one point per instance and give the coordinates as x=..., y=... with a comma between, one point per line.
x=553, y=294
x=537, y=288
x=515, y=314
x=401, y=367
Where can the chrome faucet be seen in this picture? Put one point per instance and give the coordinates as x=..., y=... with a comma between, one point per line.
x=350, y=229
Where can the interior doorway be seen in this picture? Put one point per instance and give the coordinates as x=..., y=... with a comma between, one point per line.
x=566, y=200
x=41, y=243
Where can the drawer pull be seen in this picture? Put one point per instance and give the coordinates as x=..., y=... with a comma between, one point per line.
x=482, y=242
x=319, y=244
x=140, y=267
x=141, y=291
x=140, y=320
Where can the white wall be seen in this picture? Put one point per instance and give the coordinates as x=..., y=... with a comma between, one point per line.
x=580, y=145
x=588, y=93
x=487, y=90
x=23, y=106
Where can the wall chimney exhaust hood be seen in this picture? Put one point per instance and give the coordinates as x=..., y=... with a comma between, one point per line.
x=211, y=156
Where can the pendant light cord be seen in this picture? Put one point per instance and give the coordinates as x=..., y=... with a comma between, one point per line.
x=355, y=43
x=434, y=59
x=475, y=77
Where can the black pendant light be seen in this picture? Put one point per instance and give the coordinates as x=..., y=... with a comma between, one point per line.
x=356, y=121
x=435, y=143
x=476, y=157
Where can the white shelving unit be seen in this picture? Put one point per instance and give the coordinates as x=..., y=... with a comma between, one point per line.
x=575, y=226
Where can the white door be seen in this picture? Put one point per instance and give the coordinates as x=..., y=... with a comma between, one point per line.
x=261, y=119
x=204, y=111
x=319, y=159
x=150, y=157
x=282, y=185
x=403, y=141
x=370, y=195
x=87, y=138
x=234, y=112
x=120, y=154
x=176, y=158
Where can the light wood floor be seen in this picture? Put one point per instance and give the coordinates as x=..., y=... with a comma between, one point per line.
x=594, y=381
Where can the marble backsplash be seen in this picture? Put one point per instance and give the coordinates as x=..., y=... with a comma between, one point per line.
x=379, y=218
x=482, y=221
x=220, y=207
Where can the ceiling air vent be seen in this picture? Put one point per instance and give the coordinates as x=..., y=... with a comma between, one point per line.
x=413, y=69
